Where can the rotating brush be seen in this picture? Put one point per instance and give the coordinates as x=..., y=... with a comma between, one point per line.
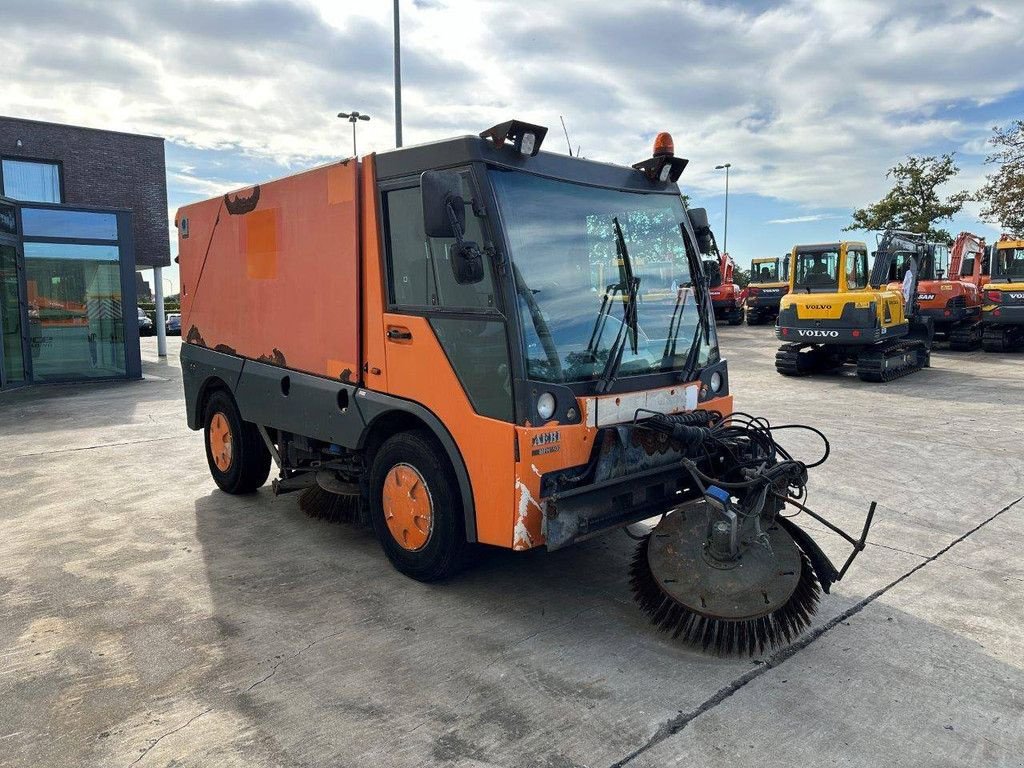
x=721, y=635
x=331, y=507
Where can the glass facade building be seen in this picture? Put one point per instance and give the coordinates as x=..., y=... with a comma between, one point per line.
x=67, y=288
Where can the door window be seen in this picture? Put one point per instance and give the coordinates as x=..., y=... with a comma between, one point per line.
x=857, y=266
x=419, y=267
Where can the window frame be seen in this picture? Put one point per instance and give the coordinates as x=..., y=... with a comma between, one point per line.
x=861, y=253
x=42, y=161
x=496, y=270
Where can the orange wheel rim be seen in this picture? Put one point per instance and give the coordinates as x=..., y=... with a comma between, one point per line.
x=220, y=441
x=408, y=507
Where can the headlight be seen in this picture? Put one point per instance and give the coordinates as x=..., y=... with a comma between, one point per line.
x=716, y=382
x=546, y=405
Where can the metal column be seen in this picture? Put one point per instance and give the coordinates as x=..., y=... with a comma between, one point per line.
x=161, y=326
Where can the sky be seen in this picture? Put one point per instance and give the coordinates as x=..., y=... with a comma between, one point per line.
x=811, y=101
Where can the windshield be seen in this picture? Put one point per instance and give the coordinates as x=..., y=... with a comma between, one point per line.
x=817, y=269
x=1010, y=263
x=764, y=271
x=571, y=284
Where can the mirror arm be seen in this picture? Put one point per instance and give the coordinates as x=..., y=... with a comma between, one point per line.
x=454, y=220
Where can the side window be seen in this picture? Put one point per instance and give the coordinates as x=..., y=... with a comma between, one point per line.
x=857, y=277
x=419, y=268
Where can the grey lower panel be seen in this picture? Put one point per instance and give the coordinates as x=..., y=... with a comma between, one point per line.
x=310, y=408
x=301, y=403
x=199, y=366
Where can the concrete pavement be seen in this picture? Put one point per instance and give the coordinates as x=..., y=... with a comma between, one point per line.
x=152, y=620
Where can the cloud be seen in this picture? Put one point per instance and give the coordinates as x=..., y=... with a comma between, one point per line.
x=805, y=219
x=810, y=100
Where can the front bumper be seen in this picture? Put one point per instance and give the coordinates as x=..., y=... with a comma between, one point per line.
x=580, y=513
x=1003, y=314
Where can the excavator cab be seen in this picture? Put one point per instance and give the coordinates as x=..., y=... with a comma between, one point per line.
x=767, y=286
x=1002, y=313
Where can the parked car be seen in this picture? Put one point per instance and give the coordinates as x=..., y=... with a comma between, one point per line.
x=145, y=324
x=173, y=324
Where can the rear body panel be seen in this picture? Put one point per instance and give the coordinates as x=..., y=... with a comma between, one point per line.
x=285, y=252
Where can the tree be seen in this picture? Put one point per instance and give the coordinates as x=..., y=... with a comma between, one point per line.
x=1002, y=197
x=913, y=204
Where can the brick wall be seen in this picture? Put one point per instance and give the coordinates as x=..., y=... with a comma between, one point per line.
x=103, y=168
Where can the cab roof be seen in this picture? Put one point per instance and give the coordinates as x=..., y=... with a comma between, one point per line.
x=450, y=153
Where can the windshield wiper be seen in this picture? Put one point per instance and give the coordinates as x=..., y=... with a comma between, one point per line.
x=630, y=286
x=700, y=287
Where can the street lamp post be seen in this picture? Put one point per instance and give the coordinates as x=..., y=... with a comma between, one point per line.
x=352, y=117
x=398, y=81
x=725, y=235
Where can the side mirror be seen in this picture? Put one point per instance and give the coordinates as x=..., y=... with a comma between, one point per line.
x=701, y=228
x=467, y=263
x=444, y=210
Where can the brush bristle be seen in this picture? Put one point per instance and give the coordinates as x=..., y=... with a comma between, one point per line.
x=724, y=637
x=332, y=507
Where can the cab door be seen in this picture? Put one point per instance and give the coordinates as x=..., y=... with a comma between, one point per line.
x=446, y=347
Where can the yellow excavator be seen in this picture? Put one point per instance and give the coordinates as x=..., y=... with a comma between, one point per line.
x=1002, y=310
x=837, y=312
x=767, y=286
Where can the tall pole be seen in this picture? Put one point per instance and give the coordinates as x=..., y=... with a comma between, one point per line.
x=725, y=237
x=398, y=81
x=356, y=154
x=160, y=318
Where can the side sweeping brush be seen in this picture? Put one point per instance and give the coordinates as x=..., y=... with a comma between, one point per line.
x=725, y=571
x=331, y=507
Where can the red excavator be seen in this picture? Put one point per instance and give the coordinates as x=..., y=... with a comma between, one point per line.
x=725, y=294
x=951, y=296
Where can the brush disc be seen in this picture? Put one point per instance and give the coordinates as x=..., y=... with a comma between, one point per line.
x=763, y=599
x=332, y=507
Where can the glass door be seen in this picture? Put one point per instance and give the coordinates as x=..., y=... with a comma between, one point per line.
x=12, y=350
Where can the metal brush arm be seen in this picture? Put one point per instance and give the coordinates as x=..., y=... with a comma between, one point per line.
x=857, y=544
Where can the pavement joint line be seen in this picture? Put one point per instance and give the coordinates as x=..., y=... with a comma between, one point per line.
x=676, y=724
x=98, y=445
x=169, y=733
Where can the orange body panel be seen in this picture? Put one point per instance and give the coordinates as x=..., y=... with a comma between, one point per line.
x=418, y=370
x=290, y=244
x=373, y=363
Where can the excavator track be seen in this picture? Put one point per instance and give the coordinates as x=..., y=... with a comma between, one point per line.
x=892, y=359
x=1001, y=339
x=964, y=338
x=803, y=360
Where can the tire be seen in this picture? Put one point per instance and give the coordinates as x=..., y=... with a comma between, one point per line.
x=423, y=551
x=243, y=462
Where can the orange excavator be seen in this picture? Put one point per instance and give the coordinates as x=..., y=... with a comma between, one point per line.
x=952, y=297
x=725, y=294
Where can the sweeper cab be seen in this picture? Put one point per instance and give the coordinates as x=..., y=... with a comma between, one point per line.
x=477, y=342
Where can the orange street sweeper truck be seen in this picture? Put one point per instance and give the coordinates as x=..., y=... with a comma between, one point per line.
x=475, y=342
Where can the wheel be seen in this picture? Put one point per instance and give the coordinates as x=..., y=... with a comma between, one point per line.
x=753, y=317
x=415, y=507
x=736, y=317
x=238, y=459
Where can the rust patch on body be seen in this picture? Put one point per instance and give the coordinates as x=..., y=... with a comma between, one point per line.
x=195, y=337
x=225, y=349
x=274, y=358
x=239, y=206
